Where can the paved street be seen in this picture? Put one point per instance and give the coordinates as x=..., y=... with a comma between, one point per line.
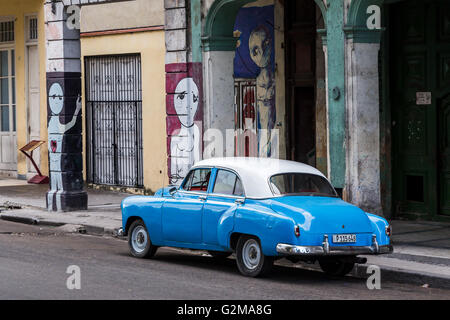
x=34, y=260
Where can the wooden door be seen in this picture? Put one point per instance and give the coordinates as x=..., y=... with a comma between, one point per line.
x=420, y=83
x=33, y=106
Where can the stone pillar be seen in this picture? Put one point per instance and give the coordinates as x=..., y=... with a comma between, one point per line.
x=64, y=112
x=184, y=89
x=363, y=123
x=219, y=91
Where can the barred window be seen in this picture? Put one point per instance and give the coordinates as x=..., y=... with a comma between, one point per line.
x=32, y=28
x=245, y=117
x=6, y=31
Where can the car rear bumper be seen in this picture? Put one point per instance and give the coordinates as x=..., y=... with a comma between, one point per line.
x=325, y=249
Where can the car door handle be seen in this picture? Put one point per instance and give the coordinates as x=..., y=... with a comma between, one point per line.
x=239, y=201
x=202, y=198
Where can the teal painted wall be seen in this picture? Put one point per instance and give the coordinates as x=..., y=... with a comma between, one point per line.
x=336, y=84
x=196, y=30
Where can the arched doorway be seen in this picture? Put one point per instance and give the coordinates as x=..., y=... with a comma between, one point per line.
x=243, y=91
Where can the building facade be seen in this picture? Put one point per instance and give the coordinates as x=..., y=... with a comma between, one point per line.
x=93, y=89
x=356, y=88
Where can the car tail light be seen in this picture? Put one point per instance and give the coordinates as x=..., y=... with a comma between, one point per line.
x=297, y=230
x=388, y=230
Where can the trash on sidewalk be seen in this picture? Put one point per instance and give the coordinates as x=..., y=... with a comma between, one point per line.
x=8, y=205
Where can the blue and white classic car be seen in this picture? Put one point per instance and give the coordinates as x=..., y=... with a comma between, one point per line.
x=261, y=209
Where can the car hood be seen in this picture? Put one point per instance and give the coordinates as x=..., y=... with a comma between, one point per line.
x=323, y=214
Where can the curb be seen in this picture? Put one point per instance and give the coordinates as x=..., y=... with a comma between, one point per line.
x=404, y=276
x=85, y=229
x=394, y=275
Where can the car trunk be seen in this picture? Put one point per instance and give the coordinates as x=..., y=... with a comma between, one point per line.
x=323, y=215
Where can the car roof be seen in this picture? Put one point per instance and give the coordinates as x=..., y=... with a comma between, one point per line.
x=255, y=172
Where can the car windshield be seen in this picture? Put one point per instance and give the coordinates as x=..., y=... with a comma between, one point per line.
x=301, y=184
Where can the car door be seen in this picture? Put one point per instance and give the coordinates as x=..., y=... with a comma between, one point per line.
x=226, y=194
x=182, y=213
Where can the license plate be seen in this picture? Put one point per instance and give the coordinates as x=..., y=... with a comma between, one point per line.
x=344, y=238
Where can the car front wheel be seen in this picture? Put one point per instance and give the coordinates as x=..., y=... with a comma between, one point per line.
x=336, y=267
x=139, y=241
x=250, y=259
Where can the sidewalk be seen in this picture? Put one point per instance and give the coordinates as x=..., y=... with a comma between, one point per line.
x=421, y=249
x=103, y=214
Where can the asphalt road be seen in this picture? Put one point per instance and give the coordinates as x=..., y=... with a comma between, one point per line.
x=34, y=261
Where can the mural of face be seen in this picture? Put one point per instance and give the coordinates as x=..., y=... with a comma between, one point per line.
x=259, y=44
x=56, y=98
x=186, y=101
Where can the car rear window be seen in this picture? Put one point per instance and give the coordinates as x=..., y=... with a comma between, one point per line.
x=301, y=184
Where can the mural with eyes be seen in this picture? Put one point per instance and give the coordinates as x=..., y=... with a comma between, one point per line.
x=56, y=132
x=255, y=59
x=185, y=142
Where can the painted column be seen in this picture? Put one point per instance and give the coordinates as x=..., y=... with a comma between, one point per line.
x=64, y=112
x=184, y=88
x=336, y=92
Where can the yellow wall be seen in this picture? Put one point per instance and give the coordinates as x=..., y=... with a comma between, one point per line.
x=19, y=9
x=151, y=46
x=122, y=15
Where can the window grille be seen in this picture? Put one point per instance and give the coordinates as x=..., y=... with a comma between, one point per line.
x=6, y=31
x=33, y=28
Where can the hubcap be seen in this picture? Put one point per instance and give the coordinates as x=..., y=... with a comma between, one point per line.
x=251, y=254
x=139, y=239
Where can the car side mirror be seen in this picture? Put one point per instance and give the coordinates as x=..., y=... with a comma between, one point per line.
x=172, y=190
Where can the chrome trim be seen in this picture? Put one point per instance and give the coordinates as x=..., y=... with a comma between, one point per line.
x=326, y=244
x=192, y=193
x=326, y=249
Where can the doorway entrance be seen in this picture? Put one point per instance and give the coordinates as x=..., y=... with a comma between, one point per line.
x=33, y=94
x=114, y=120
x=304, y=67
x=8, y=136
x=420, y=104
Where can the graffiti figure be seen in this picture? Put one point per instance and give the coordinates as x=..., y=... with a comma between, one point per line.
x=260, y=47
x=56, y=131
x=185, y=143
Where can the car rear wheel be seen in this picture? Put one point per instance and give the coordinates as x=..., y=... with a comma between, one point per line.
x=336, y=267
x=250, y=259
x=139, y=240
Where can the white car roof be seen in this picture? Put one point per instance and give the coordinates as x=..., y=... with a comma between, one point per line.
x=255, y=172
